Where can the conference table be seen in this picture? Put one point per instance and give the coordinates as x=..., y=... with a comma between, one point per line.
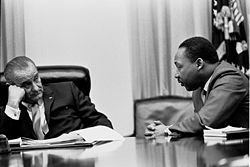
x=136, y=152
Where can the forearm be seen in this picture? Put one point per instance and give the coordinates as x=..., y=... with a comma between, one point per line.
x=87, y=110
x=192, y=124
x=92, y=117
x=221, y=104
x=8, y=126
x=101, y=119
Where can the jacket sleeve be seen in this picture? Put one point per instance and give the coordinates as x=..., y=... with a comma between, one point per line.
x=222, y=101
x=87, y=110
x=8, y=126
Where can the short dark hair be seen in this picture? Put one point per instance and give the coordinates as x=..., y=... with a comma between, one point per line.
x=199, y=47
x=17, y=63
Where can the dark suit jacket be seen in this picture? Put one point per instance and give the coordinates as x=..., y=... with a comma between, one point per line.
x=226, y=102
x=66, y=109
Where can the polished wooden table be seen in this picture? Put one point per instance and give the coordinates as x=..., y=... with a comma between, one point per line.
x=134, y=152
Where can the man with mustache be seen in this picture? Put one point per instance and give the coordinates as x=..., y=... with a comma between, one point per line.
x=40, y=112
x=220, y=91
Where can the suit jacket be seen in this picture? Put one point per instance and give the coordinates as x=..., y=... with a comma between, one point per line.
x=226, y=102
x=66, y=109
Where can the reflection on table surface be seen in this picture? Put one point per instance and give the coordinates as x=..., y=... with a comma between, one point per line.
x=134, y=152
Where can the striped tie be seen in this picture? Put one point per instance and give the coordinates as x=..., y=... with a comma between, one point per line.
x=37, y=121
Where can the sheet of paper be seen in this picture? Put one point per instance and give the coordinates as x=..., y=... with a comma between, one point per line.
x=99, y=133
x=64, y=138
x=15, y=141
x=228, y=128
x=88, y=135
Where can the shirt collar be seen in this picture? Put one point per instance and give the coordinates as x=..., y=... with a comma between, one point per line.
x=28, y=105
x=207, y=83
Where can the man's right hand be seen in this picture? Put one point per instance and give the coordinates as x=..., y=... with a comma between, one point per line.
x=16, y=94
x=157, y=128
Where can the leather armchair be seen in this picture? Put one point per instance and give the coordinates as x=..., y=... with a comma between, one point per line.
x=167, y=109
x=55, y=73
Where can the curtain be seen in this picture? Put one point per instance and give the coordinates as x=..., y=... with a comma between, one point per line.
x=12, y=31
x=157, y=28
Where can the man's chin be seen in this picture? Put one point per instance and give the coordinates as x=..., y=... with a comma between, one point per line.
x=188, y=88
x=37, y=98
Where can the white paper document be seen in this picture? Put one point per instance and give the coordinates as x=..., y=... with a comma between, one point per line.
x=74, y=138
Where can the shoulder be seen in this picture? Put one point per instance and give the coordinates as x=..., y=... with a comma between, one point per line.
x=62, y=87
x=227, y=70
x=227, y=74
x=59, y=85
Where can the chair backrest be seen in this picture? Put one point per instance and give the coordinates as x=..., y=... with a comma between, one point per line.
x=55, y=73
x=167, y=109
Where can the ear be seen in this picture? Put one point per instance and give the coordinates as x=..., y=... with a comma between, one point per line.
x=199, y=63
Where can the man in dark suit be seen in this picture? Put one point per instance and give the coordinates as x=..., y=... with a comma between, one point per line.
x=40, y=112
x=220, y=91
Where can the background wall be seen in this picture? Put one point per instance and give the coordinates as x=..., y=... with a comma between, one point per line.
x=90, y=33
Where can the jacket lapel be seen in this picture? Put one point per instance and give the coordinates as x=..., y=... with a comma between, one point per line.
x=48, y=99
x=198, y=103
x=27, y=123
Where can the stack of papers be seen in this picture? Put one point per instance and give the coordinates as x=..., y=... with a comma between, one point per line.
x=227, y=135
x=78, y=138
x=227, y=132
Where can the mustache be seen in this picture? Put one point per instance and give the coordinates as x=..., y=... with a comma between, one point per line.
x=37, y=92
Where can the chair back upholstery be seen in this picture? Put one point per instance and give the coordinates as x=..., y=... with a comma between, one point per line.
x=55, y=73
x=167, y=109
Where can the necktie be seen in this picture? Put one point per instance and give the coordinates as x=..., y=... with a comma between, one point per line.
x=36, y=116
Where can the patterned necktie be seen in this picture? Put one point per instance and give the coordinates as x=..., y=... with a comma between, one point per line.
x=36, y=116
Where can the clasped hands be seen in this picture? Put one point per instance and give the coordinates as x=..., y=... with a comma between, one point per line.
x=157, y=128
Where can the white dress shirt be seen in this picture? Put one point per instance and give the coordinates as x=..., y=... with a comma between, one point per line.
x=15, y=114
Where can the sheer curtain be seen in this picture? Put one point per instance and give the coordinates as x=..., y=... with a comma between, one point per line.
x=157, y=28
x=12, y=31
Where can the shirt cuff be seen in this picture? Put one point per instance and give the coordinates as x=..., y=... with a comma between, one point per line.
x=12, y=112
x=167, y=132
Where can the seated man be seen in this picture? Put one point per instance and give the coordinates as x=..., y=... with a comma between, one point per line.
x=40, y=112
x=226, y=101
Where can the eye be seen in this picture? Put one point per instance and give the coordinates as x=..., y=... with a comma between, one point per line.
x=178, y=66
x=36, y=78
x=26, y=85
